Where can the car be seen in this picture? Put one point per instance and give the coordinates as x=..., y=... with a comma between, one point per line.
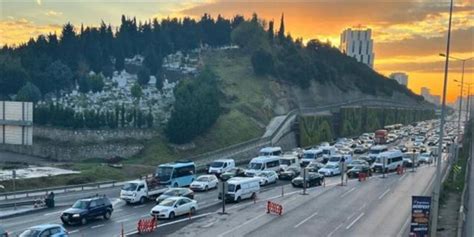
x=312, y=179
x=314, y=166
x=174, y=206
x=369, y=159
x=87, y=209
x=267, y=177
x=403, y=148
x=425, y=158
x=408, y=163
x=330, y=170
x=357, y=169
x=235, y=172
x=289, y=173
x=3, y=232
x=49, y=230
x=175, y=192
x=360, y=149
x=356, y=162
x=204, y=183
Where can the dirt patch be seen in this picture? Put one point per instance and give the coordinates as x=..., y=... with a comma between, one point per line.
x=448, y=215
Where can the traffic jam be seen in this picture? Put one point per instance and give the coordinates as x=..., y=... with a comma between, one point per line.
x=175, y=188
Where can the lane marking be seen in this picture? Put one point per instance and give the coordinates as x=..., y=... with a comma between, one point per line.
x=354, y=221
x=139, y=206
x=346, y=193
x=400, y=233
x=97, y=226
x=362, y=207
x=52, y=213
x=352, y=215
x=305, y=220
x=334, y=231
x=123, y=220
x=384, y=193
x=237, y=227
x=73, y=231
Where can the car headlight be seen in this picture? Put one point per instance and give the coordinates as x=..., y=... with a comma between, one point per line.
x=76, y=215
x=134, y=194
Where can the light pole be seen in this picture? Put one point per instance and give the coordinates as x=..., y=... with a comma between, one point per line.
x=434, y=220
x=468, y=106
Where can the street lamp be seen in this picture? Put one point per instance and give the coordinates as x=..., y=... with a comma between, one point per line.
x=437, y=187
x=468, y=107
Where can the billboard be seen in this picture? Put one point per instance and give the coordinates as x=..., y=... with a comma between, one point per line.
x=420, y=216
x=16, y=123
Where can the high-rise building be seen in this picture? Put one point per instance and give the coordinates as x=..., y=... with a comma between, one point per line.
x=400, y=77
x=434, y=99
x=358, y=43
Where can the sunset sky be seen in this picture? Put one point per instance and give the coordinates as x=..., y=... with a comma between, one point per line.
x=408, y=34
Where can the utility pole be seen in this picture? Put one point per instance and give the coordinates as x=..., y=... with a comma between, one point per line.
x=413, y=160
x=434, y=216
x=304, y=181
x=14, y=189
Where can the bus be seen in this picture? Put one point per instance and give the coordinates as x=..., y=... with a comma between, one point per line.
x=176, y=174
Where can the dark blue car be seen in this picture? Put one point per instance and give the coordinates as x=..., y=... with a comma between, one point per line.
x=87, y=209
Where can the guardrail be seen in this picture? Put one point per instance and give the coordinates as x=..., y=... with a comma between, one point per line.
x=461, y=228
x=35, y=193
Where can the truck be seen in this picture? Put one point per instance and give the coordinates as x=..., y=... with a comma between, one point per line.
x=380, y=136
x=176, y=174
x=141, y=190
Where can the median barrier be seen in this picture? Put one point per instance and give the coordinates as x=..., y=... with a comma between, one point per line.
x=146, y=225
x=273, y=207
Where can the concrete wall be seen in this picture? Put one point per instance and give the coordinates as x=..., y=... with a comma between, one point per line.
x=92, y=136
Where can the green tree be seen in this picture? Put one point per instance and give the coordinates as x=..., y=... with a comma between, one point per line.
x=143, y=76
x=136, y=91
x=250, y=36
x=262, y=62
x=12, y=76
x=29, y=92
x=60, y=76
x=96, y=83
x=281, y=31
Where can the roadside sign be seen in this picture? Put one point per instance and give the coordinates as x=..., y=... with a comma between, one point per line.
x=420, y=216
x=222, y=184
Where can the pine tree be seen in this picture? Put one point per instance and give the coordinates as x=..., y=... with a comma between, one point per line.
x=271, y=32
x=281, y=32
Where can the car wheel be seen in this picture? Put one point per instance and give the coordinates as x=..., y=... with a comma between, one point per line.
x=142, y=200
x=175, y=185
x=192, y=210
x=331, y=174
x=266, y=182
x=83, y=221
x=171, y=215
x=253, y=196
x=206, y=188
x=239, y=199
x=107, y=215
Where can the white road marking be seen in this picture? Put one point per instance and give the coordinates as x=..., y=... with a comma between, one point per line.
x=123, y=220
x=334, y=231
x=354, y=221
x=52, y=213
x=362, y=207
x=97, y=226
x=352, y=215
x=73, y=231
x=305, y=220
x=346, y=193
x=139, y=206
x=400, y=234
x=237, y=227
x=384, y=193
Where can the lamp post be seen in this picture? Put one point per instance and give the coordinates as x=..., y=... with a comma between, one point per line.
x=468, y=103
x=434, y=217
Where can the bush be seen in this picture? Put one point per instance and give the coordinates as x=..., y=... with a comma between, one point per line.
x=262, y=62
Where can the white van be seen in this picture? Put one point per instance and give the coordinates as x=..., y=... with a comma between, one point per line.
x=392, y=159
x=221, y=166
x=270, y=151
x=328, y=151
x=336, y=159
x=288, y=160
x=311, y=155
x=374, y=151
x=262, y=163
x=239, y=188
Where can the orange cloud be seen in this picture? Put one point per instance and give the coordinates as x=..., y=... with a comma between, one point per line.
x=13, y=32
x=53, y=13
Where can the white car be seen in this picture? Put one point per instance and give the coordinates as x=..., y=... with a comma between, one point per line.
x=267, y=177
x=174, y=206
x=425, y=158
x=204, y=183
x=330, y=170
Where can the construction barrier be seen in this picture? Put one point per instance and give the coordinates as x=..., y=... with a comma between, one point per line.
x=274, y=208
x=362, y=177
x=146, y=225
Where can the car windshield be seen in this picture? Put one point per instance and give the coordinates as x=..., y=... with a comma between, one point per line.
x=326, y=151
x=255, y=166
x=167, y=203
x=330, y=166
x=231, y=188
x=202, y=179
x=285, y=162
x=356, y=162
x=81, y=204
x=217, y=164
x=130, y=187
x=335, y=159
x=308, y=155
x=164, y=173
x=171, y=192
x=30, y=233
x=374, y=151
x=357, y=167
